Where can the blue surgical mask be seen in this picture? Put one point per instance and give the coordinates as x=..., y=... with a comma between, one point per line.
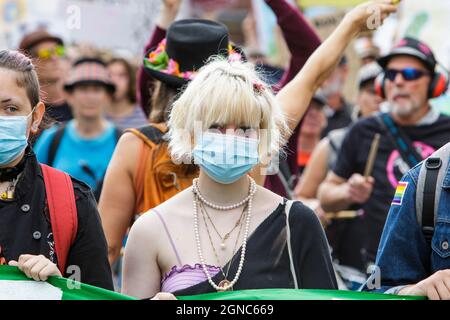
x=226, y=158
x=13, y=138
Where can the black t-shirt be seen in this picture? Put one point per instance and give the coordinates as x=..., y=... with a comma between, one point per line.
x=60, y=113
x=389, y=167
x=341, y=118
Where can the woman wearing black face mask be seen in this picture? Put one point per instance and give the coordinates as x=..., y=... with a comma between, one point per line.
x=49, y=224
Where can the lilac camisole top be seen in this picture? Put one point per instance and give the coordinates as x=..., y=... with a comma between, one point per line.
x=182, y=276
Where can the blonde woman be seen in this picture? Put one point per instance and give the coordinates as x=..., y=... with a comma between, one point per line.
x=226, y=232
x=225, y=206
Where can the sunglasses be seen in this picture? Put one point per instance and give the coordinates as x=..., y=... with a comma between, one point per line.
x=408, y=74
x=58, y=51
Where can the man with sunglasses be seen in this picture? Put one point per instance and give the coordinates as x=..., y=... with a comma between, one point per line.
x=411, y=131
x=47, y=52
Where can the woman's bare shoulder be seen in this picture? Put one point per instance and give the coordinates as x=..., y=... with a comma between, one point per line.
x=268, y=194
x=129, y=142
x=147, y=226
x=127, y=151
x=264, y=198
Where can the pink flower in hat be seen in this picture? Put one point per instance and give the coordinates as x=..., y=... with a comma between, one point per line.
x=173, y=68
x=161, y=49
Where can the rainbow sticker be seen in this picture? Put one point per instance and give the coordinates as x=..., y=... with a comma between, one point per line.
x=399, y=193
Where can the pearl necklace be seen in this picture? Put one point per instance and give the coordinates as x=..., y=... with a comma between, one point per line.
x=196, y=190
x=226, y=284
x=224, y=238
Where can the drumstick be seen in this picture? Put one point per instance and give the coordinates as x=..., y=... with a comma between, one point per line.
x=346, y=214
x=372, y=155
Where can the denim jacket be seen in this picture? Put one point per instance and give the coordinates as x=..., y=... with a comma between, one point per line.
x=404, y=257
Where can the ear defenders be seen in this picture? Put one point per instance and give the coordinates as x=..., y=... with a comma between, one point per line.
x=438, y=86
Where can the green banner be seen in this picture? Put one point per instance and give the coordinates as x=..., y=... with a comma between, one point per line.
x=56, y=288
x=12, y=279
x=287, y=294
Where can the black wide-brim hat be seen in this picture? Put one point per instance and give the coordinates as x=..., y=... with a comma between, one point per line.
x=188, y=46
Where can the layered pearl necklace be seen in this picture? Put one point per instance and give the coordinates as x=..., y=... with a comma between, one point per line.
x=252, y=192
x=224, y=285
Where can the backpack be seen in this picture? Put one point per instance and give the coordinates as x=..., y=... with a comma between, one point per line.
x=429, y=187
x=157, y=178
x=53, y=149
x=60, y=201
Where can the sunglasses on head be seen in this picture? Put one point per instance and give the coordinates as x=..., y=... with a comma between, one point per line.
x=408, y=74
x=58, y=51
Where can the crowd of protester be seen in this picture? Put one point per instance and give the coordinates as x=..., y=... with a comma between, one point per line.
x=310, y=190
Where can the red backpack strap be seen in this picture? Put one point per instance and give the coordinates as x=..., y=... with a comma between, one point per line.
x=63, y=212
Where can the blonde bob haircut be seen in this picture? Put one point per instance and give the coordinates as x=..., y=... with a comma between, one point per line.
x=226, y=93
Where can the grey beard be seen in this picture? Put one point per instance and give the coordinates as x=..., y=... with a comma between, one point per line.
x=405, y=110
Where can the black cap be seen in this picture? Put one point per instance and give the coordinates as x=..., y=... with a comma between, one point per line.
x=414, y=48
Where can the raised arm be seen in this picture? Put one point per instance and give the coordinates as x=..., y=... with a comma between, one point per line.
x=300, y=37
x=169, y=12
x=296, y=95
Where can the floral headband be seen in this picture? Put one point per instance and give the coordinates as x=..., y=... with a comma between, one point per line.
x=159, y=60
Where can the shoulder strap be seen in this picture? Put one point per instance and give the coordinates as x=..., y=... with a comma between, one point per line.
x=287, y=210
x=172, y=243
x=150, y=134
x=63, y=212
x=54, y=145
x=429, y=187
x=400, y=140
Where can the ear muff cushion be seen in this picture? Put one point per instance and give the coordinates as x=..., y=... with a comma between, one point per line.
x=438, y=86
x=379, y=85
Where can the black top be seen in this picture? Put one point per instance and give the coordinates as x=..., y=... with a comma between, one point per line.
x=341, y=118
x=267, y=263
x=60, y=113
x=389, y=166
x=25, y=227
